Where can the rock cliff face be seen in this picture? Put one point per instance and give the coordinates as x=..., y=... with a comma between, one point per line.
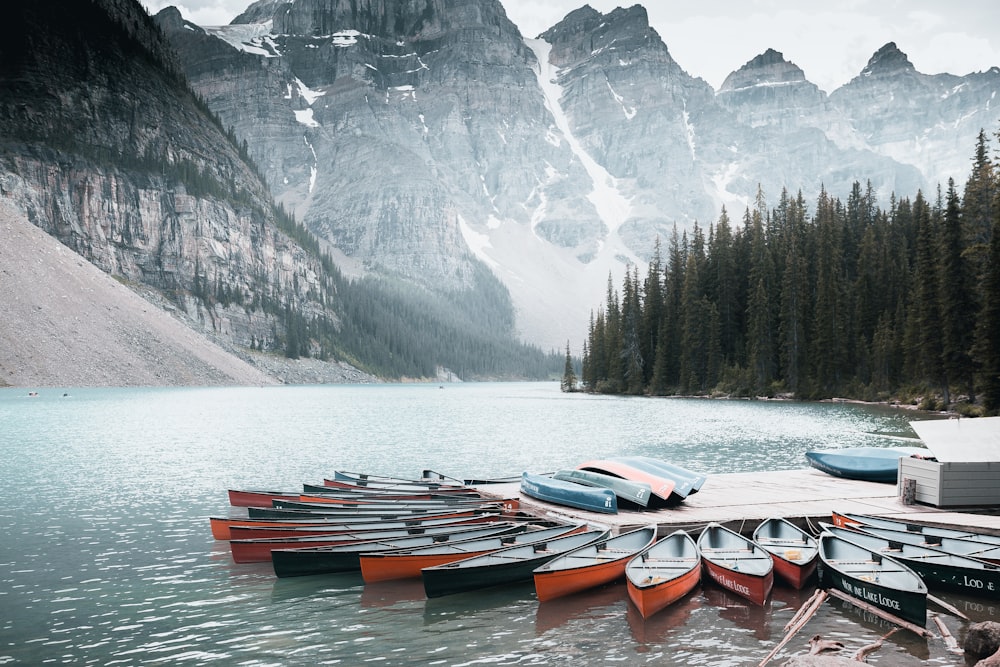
x=421, y=137
x=105, y=147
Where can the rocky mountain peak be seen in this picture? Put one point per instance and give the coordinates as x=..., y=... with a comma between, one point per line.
x=768, y=68
x=888, y=60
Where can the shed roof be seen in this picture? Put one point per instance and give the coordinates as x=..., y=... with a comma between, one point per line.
x=953, y=440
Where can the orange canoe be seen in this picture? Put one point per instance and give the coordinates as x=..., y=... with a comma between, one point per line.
x=664, y=573
x=407, y=563
x=591, y=565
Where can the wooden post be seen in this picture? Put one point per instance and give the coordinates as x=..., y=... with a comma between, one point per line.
x=908, y=490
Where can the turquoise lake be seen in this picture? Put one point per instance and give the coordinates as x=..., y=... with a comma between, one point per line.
x=107, y=557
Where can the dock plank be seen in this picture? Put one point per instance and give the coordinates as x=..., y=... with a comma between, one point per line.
x=742, y=500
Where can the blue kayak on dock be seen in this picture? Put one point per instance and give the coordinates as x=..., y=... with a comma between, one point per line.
x=871, y=464
x=569, y=494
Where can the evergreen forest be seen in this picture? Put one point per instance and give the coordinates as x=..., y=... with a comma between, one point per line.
x=854, y=299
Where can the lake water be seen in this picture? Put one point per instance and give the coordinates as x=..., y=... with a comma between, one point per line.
x=107, y=558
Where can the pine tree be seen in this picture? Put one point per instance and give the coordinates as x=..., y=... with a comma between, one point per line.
x=958, y=302
x=569, y=374
x=988, y=329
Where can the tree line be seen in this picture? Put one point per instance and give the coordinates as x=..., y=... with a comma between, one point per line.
x=851, y=300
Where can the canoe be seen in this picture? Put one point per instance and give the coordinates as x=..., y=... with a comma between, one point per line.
x=569, y=494
x=361, y=501
x=259, y=532
x=736, y=563
x=502, y=567
x=686, y=481
x=959, y=546
x=316, y=512
x=794, y=551
x=845, y=520
x=872, y=464
x=407, y=563
x=873, y=578
x=398, y=493
x=222, y=526
x=250, y=498
x=591, y=565
x=938, y=569
x=663, y=573
x=343, y=477
x=258, y=551
x=660, y=486
x=637, y=493
x=333, y=558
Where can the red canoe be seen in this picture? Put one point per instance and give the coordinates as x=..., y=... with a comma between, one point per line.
x=795, y=552
x=407, y=563
x=258, y=551
x=661, y=575
x=239, y=498
x=222, y=526
x=736, y=563
x=591, y=565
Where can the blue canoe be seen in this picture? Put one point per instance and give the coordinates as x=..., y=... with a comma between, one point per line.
x=872, y=464
x=570, y=494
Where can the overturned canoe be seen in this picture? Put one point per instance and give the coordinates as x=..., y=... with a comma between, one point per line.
x=569, y=494
x=686, y=481
x=663, y=573
x=661, y=488
x=871, y=464
x=637, y=493
x=795, y=552
x=591, y=565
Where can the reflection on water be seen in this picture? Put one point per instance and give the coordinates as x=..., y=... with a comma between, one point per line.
x=108, y=557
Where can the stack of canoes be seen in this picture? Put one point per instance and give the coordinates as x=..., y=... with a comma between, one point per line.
x=607, y=485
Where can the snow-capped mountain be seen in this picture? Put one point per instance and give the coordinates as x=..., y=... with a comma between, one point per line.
x=422, y=139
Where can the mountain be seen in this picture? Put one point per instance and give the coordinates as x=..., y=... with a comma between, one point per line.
x=428, y=139
x=105, y=146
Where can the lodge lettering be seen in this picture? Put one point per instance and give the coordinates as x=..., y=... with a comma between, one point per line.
x=730, y=584
x=875, y=597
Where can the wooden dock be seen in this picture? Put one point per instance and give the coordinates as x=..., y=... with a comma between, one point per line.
x=740, y=501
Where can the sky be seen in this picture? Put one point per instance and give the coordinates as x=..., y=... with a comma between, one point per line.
x=831, y=42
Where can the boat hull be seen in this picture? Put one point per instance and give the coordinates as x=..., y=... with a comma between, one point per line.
x=736, y=563
x=794, y=552
x=503, y=567
x=663, y=574
x=637, y=493
x=870, y=464
x=406, y=564
x=590, y=566
x=569, y=494
x=347, y=557
x=938, y=569
x=879, y=581
x=661, y=488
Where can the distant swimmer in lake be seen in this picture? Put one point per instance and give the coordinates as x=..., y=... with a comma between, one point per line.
x=32, y=393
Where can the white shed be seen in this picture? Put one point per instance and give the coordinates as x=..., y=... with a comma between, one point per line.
x=966, y=471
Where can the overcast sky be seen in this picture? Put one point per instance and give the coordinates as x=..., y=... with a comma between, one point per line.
x=831, y=42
